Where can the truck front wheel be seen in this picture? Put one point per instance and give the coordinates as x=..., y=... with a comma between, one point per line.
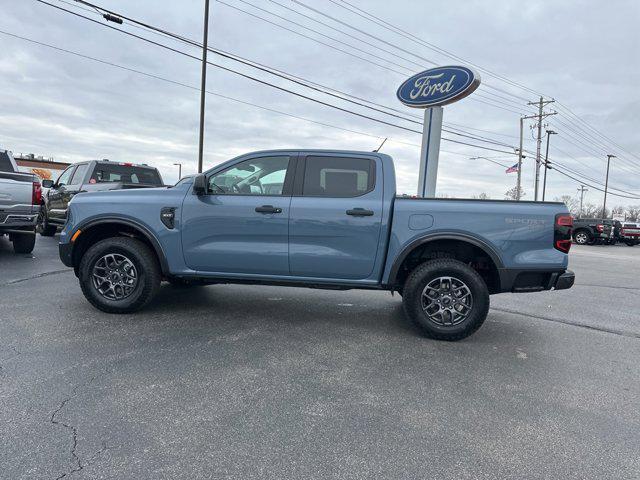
x=119, y=275
x=446, y=299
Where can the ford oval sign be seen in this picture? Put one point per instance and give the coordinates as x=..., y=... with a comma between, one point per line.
x=438, y=86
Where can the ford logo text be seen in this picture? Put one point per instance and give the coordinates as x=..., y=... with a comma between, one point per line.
x=438, y=86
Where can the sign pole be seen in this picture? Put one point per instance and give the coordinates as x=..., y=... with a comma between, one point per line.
x=430, y=151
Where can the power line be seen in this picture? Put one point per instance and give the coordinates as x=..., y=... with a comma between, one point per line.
x=268, y=70
x=399, y=31
x=347, y=44
x=274, y=86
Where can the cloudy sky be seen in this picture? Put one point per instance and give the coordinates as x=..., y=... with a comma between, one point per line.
x=582, y=53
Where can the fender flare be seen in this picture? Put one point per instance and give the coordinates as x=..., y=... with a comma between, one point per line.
x=482, y=245
x=144, y=230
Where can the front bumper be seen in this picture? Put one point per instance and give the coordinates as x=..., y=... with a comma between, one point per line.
x=66, y=253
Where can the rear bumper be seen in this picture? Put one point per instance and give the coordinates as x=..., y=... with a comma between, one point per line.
x=18, y=221
x=564, y=280
x=522, y=281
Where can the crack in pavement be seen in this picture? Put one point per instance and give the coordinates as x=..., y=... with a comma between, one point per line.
x=15, y=355
x=605, y=286
x=79, y=464
x=33, y=277
x=613, y=331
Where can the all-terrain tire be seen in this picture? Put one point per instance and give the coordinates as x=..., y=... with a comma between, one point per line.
x=147, y=272
x=432, y=270
x=23, y=242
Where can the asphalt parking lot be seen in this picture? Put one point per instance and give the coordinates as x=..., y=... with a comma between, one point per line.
x=262, y=382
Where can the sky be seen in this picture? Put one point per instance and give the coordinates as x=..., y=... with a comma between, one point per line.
x=583, y=54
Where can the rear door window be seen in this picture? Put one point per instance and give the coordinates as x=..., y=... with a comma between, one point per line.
x=338, y=176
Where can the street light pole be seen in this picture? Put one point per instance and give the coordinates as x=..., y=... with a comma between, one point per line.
x=179, y=165
x=203, y=83
x=606, y=186
x=546, y=163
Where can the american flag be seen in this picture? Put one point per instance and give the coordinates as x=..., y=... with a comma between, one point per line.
x=512, y=169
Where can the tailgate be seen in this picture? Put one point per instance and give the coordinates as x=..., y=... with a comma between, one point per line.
x=15, y=190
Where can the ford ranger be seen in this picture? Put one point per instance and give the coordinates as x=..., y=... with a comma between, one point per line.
x=20, y=198
x=319, y=219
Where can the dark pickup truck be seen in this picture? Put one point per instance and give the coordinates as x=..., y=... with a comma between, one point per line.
x=588, y=231
x=91, y=176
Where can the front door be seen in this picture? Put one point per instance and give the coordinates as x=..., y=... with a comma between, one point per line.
x=336, y=215
x=241, y=225
x=56, y=208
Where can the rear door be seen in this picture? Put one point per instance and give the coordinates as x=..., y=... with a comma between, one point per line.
x=336, y=215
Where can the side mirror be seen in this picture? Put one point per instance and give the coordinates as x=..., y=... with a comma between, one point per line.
x=47, y=183
x=200, y=184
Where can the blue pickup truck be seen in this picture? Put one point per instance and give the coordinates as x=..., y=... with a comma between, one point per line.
x=319, y=219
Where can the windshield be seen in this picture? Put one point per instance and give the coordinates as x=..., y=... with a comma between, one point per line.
x=125, y=174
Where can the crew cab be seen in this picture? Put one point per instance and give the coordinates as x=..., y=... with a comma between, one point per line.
x=91, y=176
x=319, y=219
x=20, y=198
x=587, y=231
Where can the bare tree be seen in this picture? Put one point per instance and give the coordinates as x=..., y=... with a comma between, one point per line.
x=633, y=213
x=572, y=203
x=512, y=193
x=482, y=196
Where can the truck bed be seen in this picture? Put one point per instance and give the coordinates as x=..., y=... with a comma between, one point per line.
x=520, y=233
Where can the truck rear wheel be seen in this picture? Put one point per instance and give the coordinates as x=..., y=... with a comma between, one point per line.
x=581, y=237
x=119, y=275
x=446, y=299
x=23, y=242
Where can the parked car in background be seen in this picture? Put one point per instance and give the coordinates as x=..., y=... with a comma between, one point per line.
x=630, y=233
x=91, y=176
x=318, y=219
x=20, y=199
x=588, y=231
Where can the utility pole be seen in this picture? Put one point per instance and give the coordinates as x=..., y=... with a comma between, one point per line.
x=546, y=163
x=519, y=183
x=203, y=83
x=582, y=189
x=540, y=116
x=606, y=186
x=179, y=165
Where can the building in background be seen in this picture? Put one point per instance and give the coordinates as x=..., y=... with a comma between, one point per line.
x=45, y=168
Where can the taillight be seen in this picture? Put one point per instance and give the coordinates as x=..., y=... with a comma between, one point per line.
x=36, y=194
x=600, y=228
x=562, y=231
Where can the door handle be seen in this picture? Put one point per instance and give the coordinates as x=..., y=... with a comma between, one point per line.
x=360, y=212
x=268, y=209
